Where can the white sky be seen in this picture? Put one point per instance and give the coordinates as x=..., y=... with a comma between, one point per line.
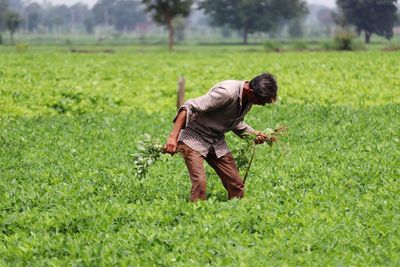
x=329, y=3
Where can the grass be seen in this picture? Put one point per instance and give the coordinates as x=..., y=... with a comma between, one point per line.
x=327, y=194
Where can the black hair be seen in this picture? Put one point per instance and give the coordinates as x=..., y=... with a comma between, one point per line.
x=265, y=86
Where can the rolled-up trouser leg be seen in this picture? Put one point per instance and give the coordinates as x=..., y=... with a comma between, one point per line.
x=195, y=164
x=228, y=172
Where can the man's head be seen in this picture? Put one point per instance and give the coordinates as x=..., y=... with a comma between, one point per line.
x=264, y=88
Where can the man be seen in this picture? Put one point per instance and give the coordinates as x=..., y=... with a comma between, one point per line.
x=201, y=123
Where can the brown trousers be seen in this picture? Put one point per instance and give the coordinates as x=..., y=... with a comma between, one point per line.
x=225, y=167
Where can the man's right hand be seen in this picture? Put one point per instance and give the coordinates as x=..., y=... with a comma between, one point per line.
x=172, y=143
x=171, y=146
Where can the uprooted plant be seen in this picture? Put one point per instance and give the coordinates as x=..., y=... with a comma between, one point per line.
x=148, y=151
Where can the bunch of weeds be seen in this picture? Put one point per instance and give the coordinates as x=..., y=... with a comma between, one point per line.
x=148, y=151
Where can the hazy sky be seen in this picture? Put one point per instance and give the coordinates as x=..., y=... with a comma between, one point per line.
x=330, y=3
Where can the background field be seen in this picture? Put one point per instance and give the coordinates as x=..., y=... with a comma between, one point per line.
x=326, y=195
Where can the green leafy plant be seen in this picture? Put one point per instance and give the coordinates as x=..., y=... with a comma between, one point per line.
x=272, y=46
x=344, y=40
x=66, y=187
x=21, y=47
x=299, y=45
x=148, y=151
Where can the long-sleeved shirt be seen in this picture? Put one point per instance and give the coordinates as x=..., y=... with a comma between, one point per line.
x=210, y=116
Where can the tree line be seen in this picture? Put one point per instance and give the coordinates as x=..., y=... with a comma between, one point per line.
x=245, y=16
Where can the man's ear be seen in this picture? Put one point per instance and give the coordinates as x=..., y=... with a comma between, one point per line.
x=247, y=89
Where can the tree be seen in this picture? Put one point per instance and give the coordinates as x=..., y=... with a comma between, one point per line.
x=122, y=14
x=251, y=16
x=370, y=16
x=89, y=24
x=179, y=25
x=164, y=11
x=102, y=12
x=295, y=28
x=57, y=17
x=13, y=21
x=16, y=5
x=127, y=14
x=33, y=16
x=3, y=9
x=79, y=14
x=326, y=20
x=397, y=22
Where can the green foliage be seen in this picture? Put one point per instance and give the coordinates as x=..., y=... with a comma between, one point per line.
x=392, y=47
x=120, y=14
x=245, y=151
x=179, y=25
x=3, y=9
x=80, y=102
x=241, y=149
x=370, y=16
x=21, y=47
x=148, y=151
x=163, y=12
x=296, y=27
x=299, y=45
x=327, y=195
x=44, y=85
x=272, y=46
x=358, y=45
x=343, y=40
x=13, y=21
x=34, y=15
x=328, y=45
x=252, y=15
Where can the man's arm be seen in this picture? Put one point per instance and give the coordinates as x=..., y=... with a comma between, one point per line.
x=243, y=128
x=172, y=142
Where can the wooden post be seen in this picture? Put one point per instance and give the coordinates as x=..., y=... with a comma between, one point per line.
x=181, y=93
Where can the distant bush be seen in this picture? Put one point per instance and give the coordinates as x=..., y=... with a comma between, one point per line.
x=21, y=48
x=392, y=47
x=343, y=40
x=328, y=45
x=69, y=43
x=358, y=45
x=299, y=45
x=1, y=39
x=272, y=46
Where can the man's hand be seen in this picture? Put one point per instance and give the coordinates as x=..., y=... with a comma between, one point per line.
x=171, y=146
x=262, y=137
x=172, y=143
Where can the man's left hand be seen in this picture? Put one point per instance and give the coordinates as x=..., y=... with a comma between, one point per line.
x=262, y=137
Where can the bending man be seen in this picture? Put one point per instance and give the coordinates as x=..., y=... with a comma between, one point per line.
x=201, y=123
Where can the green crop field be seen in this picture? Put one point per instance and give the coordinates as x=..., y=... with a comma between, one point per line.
x=326, y=195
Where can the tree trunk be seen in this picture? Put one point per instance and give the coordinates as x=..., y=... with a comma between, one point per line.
x=245, y=33
x=367, y=37
x=170, y=34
